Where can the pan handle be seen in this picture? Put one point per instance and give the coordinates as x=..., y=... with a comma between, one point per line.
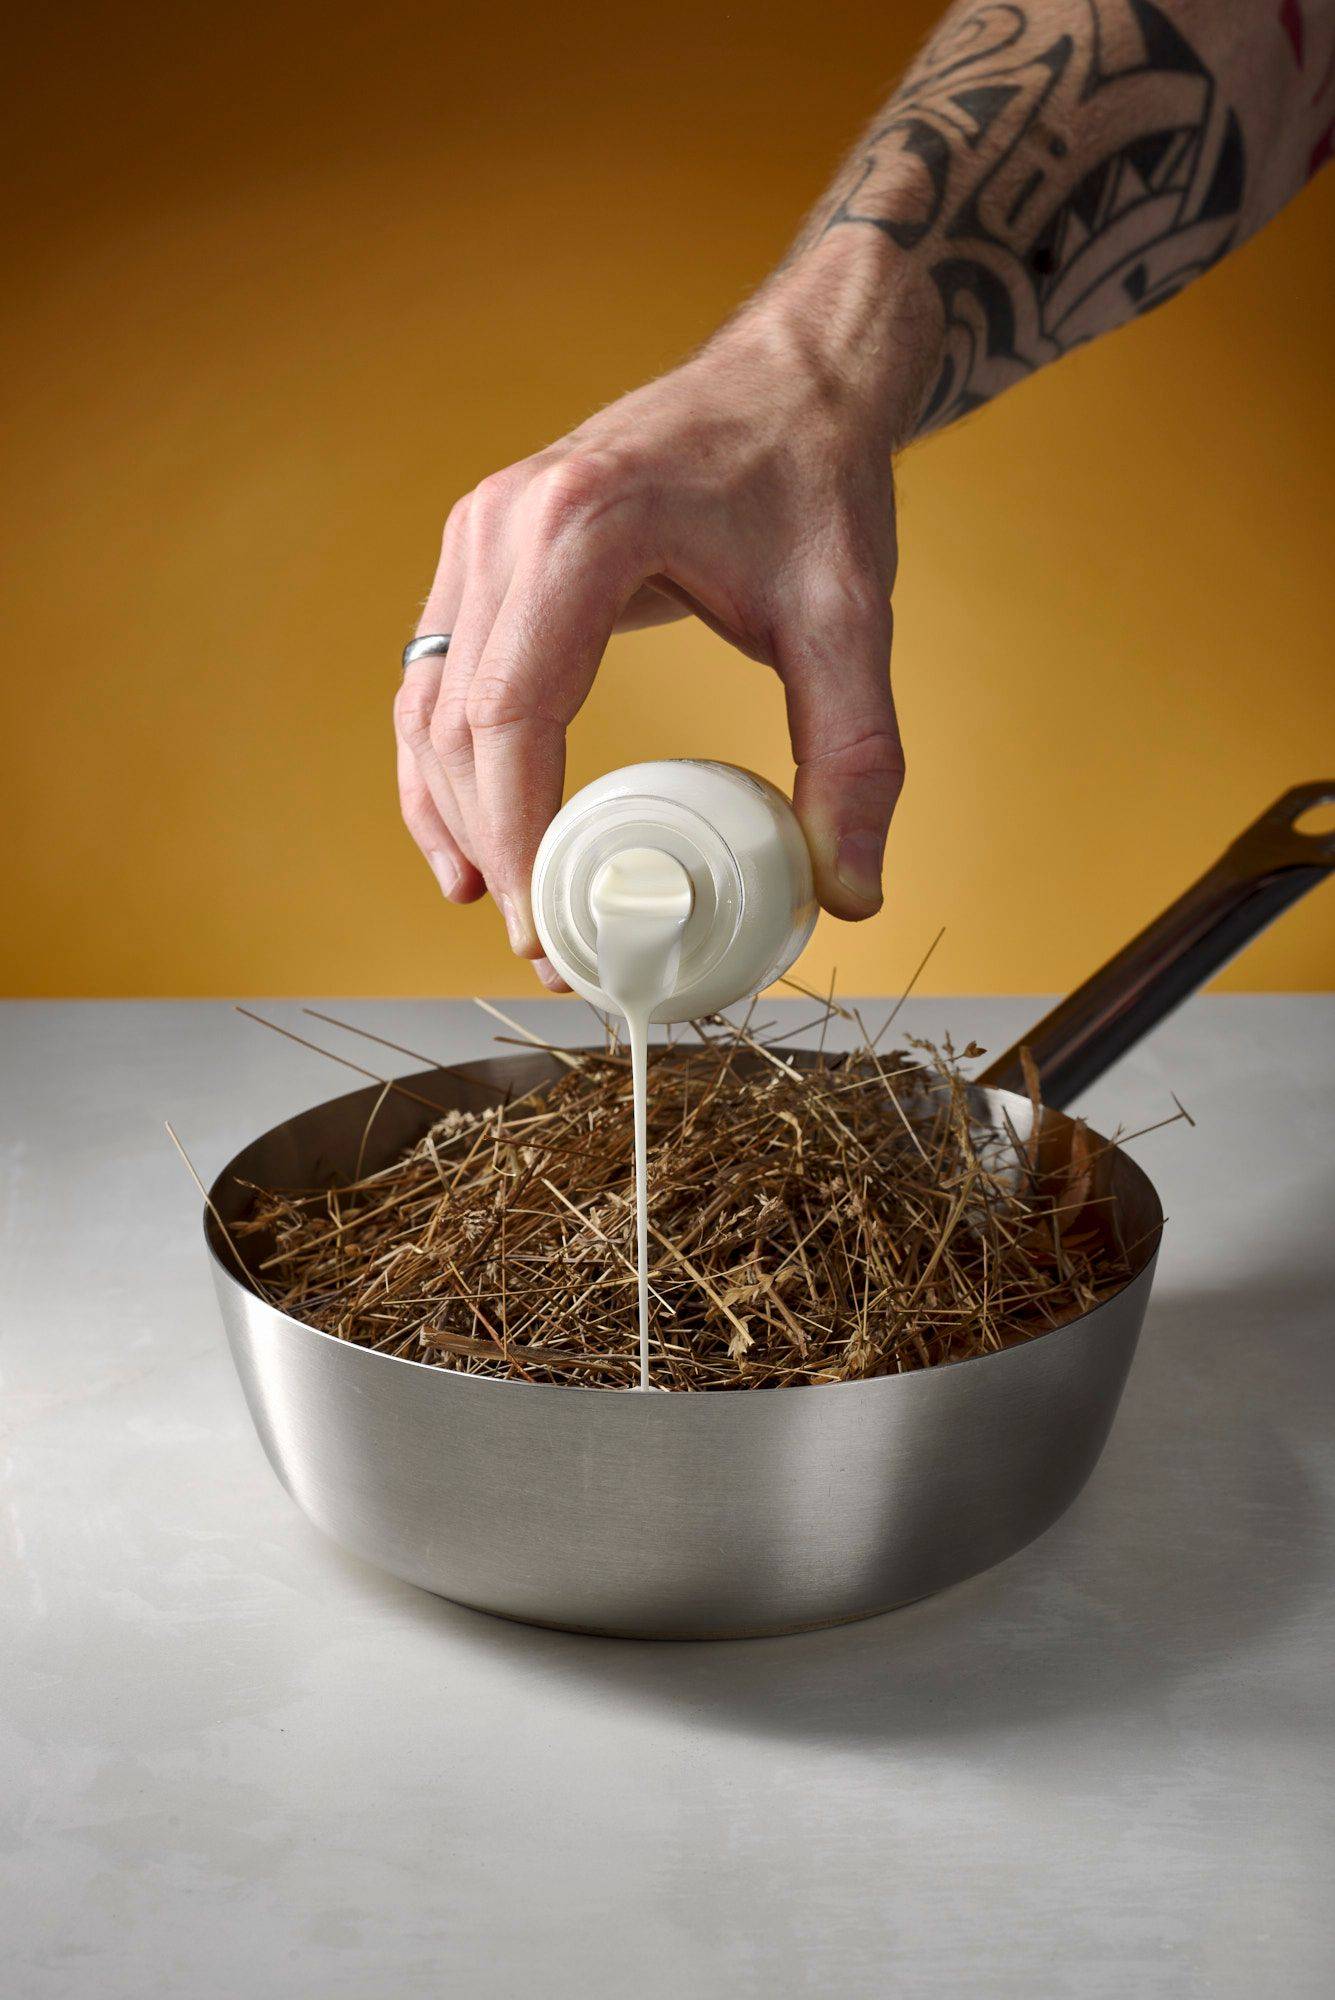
x=1269, y=866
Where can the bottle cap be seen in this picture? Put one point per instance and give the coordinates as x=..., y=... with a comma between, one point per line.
x=752, y=901
x=578, y=848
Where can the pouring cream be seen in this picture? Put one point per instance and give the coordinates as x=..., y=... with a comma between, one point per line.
x=668, y=891
x=641, y=899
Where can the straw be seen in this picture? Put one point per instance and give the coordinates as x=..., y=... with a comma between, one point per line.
x=824, y=1222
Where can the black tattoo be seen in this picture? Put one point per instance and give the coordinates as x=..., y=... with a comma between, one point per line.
x=1038, y=251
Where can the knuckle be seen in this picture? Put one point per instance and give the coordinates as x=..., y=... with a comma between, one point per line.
x=869, y=606
x=582, y=484
x=492, y=507
x=449, y=733
x=875, y=753
x=496, y=494
x=847, y=602
x=494, y=702
x=456, y=524
x=412, y=715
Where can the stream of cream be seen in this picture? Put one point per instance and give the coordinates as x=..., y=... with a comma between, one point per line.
x=641, y=899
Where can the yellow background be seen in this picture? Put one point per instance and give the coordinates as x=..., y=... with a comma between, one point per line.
x=282, y=281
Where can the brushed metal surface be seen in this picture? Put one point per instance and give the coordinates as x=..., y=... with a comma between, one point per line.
x=672, y=1516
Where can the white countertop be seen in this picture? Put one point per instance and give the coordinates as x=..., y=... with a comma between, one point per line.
x=236, y=1762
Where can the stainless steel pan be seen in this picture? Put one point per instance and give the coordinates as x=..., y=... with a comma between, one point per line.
x=722, y=1516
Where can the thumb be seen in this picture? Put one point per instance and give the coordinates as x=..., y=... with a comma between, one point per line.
x=850, y=763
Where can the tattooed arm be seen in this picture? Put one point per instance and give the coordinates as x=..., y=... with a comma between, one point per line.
x=1060, y=169
x=1045, y=172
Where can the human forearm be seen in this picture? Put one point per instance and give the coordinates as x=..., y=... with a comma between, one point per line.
x=1044, y=173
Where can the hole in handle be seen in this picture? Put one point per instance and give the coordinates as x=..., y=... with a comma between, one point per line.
x=1316, y=821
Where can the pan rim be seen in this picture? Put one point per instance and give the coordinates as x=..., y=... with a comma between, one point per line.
x=224, y=1269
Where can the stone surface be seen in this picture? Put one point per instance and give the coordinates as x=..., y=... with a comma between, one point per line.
x=234, y=1761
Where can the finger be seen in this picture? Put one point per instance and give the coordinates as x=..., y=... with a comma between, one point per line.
x=835, y=668
x=491, y=532
x=539, y=663
x=415, y=703
x=425, y=799
x=458, y=878
x=549, y=976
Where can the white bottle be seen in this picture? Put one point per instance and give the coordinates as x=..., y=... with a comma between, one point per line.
x=752, y=904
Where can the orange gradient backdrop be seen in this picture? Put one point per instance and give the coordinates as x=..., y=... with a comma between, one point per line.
x=282, y=281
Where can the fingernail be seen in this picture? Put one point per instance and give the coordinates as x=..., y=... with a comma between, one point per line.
x=857, y=863
x=446, y=870
x=521, y=939
x=549, y=976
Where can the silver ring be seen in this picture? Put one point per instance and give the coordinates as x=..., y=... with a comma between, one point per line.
x=430, y=642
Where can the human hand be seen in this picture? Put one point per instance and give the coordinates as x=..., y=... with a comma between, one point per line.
x=752, y=487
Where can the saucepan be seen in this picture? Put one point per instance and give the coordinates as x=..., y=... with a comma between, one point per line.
x=710, y=1516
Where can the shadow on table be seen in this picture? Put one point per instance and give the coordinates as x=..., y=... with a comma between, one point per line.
x=1197, y=1535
